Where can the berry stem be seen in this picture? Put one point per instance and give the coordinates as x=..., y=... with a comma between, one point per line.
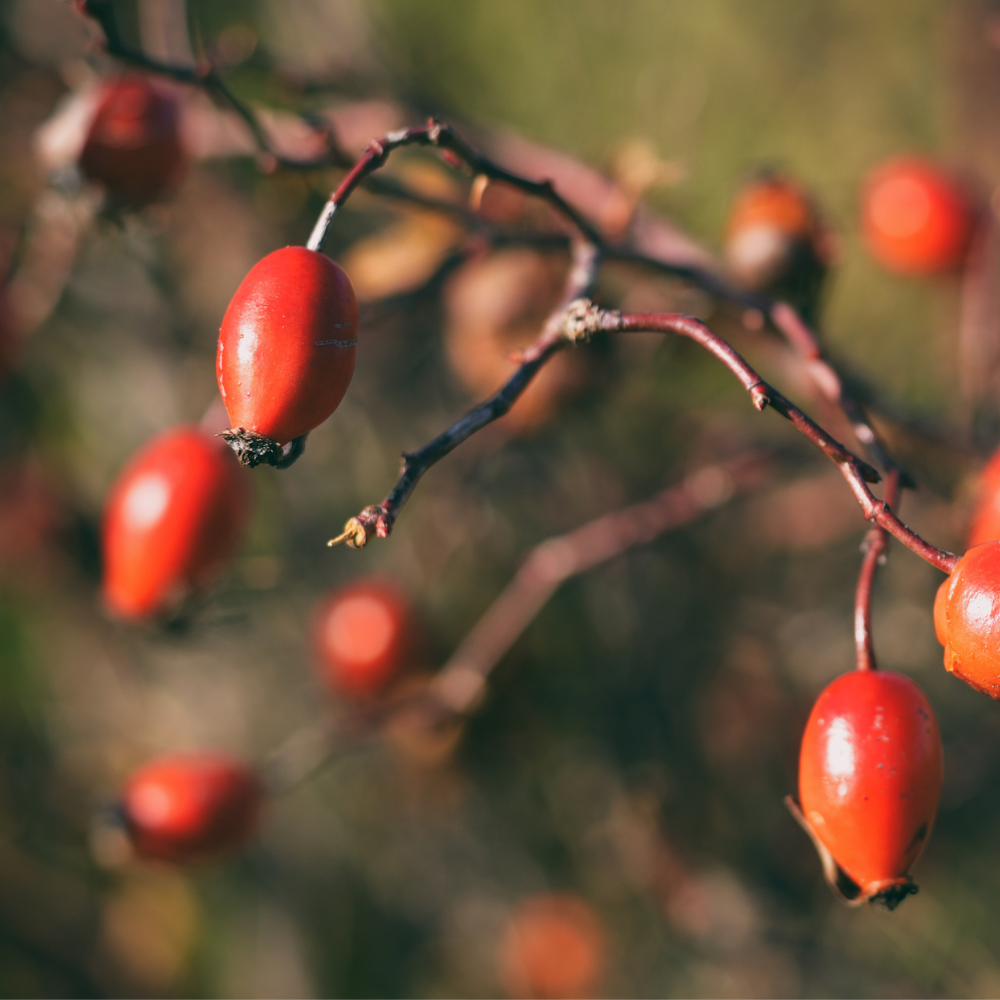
x=874, y=546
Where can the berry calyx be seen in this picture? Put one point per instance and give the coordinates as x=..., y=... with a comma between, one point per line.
x=985, y=526
x=967, y=619
x=870, y=773
x=134, y=147
x=554, y=946
x=286, y=351
x=363, y=635
x=174, y=515
x=916, y=217
x=191, y=807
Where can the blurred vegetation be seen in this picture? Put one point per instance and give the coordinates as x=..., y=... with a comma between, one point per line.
x=636, y=743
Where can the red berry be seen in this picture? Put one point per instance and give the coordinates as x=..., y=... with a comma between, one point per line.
x=134, y=145
x=191, y=807
x=363, y=636
x=917, y=218
x=985, y=526
x=967, y=619
x=173, y=517
x=772, y=223
x=554, y=946
x=287, y=347
x=870, y=773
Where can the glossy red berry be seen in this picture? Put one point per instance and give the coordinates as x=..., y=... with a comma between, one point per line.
x=134, y=146
x=173, y=517
x=967, y=619
x=554, y=946
x=363, y=636
x=916, y=217
x=985, y=525
x=191, y=807
x=286, y=350
x=870, y=773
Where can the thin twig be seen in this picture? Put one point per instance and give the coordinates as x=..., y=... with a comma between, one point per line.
x=874, y=546
x=565, y=326
x=857, y=472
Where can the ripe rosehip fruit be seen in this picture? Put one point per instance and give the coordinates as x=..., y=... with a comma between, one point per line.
x=134, y=146
x=173, y=517
x=363, y=636
x=870, y=773
x=967, y=619
x=554, y=946
x=286, y=351
x=775, y=240
x=916, y=218
x=191, y=807
x=985, y=526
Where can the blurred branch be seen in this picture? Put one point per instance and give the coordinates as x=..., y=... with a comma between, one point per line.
x=458, y=687
x=874, y=547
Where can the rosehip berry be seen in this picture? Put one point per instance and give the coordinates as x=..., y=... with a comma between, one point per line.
x=967, y=619
x=173, y=517
x=363, y=636
x=134, y=146
x=775, y=240
x=191, y=807
x=870, y=773
x=286, y=351
x=554, y=946
x=985, y=526
x=916, y=218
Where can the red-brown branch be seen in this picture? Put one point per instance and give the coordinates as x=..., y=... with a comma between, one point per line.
x=857, y=472
x=875, y=545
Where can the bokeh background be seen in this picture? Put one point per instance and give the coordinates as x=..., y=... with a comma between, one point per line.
x=638, y=740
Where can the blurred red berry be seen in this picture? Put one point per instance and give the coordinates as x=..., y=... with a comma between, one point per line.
x=554, y=946
x=134, y=146
x=985, y=526
x=191, y=807
x=173, y=517
x=776, y=241
x=363, y=637
x=870, y=773
x=286, y=348
x=916, y=217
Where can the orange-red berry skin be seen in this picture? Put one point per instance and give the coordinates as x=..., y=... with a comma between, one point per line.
x=870, y=773
x=916, y=218
x=134, y=146
x=967, y=619
x=363, y=636
x=287, y=344
x=554, y=946
x=985, y=525
x=191, y=807
x=172, y=518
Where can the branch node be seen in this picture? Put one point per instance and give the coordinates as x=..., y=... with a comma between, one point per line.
x=760, y=395
x=582, y=319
